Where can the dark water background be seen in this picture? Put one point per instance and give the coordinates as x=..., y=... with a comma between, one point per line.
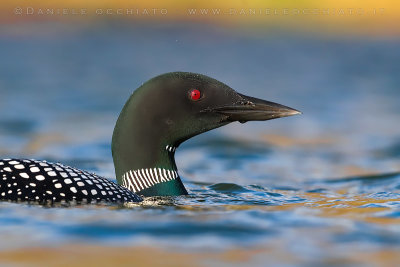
x=320, y=189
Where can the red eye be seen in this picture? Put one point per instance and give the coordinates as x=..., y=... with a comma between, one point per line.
x=194, y=94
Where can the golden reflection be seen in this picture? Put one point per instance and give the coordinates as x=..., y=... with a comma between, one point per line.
x=318, y=204
x=280, y=140
x=79, y=255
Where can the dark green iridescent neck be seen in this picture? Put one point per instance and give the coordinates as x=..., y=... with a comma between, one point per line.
x=141, y=143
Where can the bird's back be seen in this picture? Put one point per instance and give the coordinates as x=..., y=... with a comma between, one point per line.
x=46, y=182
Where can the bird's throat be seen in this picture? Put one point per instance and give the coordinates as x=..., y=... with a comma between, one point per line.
x=143, y=152
x=162, y=180
x=145, y=163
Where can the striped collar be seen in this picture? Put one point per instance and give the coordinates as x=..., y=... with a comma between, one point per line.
x=138, y=180
x=170, y=148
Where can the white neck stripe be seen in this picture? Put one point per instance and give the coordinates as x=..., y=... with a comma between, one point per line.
x=133, y=180
x=138, y=180
x=146, y=179
x=133, y=175
x=170, y=148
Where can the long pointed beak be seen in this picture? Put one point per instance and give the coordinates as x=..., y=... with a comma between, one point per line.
x=254, y=109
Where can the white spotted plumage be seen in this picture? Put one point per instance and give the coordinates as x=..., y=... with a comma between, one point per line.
x=42, y=181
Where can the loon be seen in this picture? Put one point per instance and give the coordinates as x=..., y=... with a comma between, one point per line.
x=161, y=114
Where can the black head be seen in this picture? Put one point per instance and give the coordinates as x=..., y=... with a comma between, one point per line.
x=182, y=104
x=173, y=107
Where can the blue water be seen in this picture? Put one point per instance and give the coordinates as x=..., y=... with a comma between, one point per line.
x=321, y=186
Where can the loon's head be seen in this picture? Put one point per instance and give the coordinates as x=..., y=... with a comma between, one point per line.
x=166, y=111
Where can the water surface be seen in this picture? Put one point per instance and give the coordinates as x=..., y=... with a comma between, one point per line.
x=320, y=189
